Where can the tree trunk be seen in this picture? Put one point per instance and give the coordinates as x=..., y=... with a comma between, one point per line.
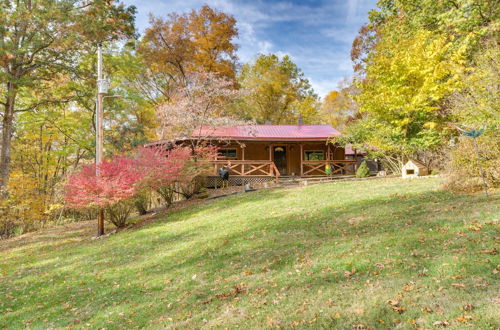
x=7, y=128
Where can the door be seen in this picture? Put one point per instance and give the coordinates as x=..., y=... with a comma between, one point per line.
x=280, y=159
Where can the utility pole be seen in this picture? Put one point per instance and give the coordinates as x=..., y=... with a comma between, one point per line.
x=102, y=87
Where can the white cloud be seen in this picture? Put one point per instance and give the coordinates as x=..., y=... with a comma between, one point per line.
x=317, y=38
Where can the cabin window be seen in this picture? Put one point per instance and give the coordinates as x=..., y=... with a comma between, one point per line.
x=227, y=153
x=314, y=155
x=410, y=172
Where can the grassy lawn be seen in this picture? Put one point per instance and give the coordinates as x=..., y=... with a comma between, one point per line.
x=382, y=254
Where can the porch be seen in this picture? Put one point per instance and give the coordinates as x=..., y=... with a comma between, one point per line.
x=247, y=160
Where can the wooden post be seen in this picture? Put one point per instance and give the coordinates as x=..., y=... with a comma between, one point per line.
x=356, y=160
x=276, y=174
x=243, y=158
x=99, y=133
x=270, y=152
x=301, y=159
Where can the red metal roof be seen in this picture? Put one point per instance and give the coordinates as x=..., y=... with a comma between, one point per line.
x=269, y=132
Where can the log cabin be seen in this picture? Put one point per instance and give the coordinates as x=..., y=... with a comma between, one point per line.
x=258, y=153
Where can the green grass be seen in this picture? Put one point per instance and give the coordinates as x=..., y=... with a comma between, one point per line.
x=322, y=256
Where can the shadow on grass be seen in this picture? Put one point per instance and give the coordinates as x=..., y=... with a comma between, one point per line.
x=362, y=229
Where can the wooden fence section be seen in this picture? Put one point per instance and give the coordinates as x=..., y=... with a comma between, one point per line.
x=318, y=167
x=248, y=167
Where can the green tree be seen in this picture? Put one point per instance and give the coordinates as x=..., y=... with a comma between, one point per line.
x=277, y=92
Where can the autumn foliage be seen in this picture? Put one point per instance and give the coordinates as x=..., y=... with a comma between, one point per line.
x=124, y=180
x=160, y=167
x=117, y=180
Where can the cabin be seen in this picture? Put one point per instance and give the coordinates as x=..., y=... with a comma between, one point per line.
x=414, y=168
x=258, y=153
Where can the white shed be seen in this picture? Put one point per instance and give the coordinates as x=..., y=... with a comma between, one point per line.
x=414, y=168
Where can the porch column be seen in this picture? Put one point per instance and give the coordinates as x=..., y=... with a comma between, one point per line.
x=215, y=164
x=270, y=152
x=243, y=146
x=301, y=159
x=356, y=159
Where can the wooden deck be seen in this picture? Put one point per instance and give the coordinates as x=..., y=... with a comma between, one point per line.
x=248, y=168
x=267, y=168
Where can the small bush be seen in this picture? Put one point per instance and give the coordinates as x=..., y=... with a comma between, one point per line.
x=118, y=213
x=167, y=193
x=142, y=201
x=203, y=193
x=464, y=167
x=363, y=171
x=189, y=188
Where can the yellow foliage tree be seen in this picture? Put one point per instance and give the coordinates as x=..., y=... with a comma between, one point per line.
x=407, y=80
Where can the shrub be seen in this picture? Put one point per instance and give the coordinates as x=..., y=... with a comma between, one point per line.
x=363, y=171
x=25, y=208
x=203, y=193
x=162, y=169
x=142, y=201
x=465, y=167
x=119, y=212
x=193, y=177
x=113, y=190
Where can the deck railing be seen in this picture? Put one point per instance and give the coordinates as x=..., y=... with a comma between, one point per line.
x=248, y=167
x=318, y=167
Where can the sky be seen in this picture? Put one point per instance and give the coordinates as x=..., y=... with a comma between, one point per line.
x=316, y=34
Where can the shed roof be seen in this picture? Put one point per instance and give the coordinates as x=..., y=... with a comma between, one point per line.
x=417, y=163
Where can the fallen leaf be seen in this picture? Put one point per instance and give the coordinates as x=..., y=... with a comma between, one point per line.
x=441, y=324
x=468, y=307
x=458, y=285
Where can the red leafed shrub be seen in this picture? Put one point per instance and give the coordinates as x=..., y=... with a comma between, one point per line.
x=113, y=189
x=127, y=181
x=160, y=167
x=162, y=170
x=193, y=176
x=118, y=181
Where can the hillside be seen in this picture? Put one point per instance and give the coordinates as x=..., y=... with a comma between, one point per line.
x=365, y=253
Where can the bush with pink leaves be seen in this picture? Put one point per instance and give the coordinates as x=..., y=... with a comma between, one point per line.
x=124, y=180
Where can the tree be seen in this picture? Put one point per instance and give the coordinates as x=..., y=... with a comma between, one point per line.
x=198, y=109
x=277, y=92
x=201, y=41
x=401, y=97
x=40, y=42
x=477, y=105
x=339, y=107
x=409, y=60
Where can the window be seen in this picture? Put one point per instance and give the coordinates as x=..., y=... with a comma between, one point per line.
x=227, y=153
x=410, y=172
x=314, y=155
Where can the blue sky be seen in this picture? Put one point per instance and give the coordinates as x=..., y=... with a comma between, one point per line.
x=316, y=34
